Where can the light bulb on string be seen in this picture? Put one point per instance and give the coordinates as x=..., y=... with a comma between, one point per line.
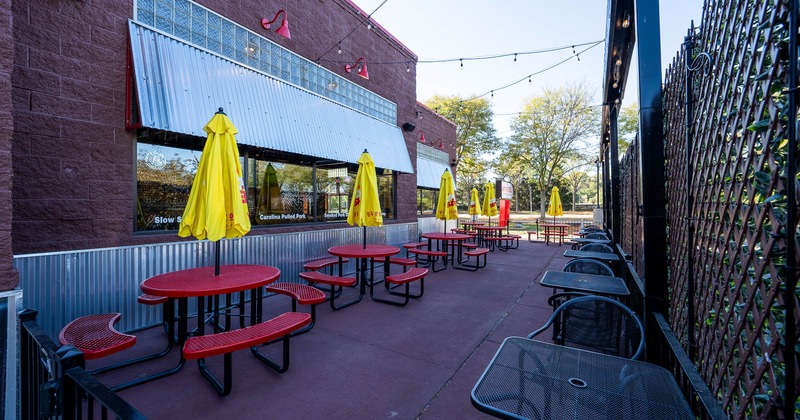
x=515, y=57
x=339, y=51
x=408, y=68
x=462, y=63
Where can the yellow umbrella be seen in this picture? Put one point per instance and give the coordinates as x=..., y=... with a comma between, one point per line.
x=554, y=209
x=365, y=206
x=489, y=201
x=217, y=205
x=446, y=209
x=474, y=204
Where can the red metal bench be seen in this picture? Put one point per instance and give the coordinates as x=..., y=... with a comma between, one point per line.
x=167, y=312
x=301, y=294
x=477, y=254
x=96, y=336
x=323, y=263
x=432, y=256
x=412, y=245
x=336, y=284
x=225, y=343
x=404, y=278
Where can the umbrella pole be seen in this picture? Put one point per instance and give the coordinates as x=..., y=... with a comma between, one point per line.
x=365, y=237
x=216, y=258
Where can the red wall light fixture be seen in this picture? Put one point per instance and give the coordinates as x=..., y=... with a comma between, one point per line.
x=362, y=71
x=422, y=137
x=282, y=30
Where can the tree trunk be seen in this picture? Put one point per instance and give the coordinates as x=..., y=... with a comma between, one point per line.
x=543, y=204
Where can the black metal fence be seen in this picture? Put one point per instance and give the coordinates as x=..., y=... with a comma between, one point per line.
x=54, y=383
x=731, y=212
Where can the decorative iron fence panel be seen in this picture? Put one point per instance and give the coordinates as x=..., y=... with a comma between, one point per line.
x=727, y=220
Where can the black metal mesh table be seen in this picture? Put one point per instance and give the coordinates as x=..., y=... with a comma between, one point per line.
x=529, y=379
x=581, y=282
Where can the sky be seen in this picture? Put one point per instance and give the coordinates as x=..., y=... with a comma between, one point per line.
x=444, y=29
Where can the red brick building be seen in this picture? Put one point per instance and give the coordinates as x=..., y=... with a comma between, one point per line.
x=80, y=155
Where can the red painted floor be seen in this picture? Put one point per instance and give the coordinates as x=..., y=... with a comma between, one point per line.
x=370, y=360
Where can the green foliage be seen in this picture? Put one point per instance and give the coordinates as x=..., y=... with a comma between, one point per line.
x=475, y=137
x=552, y=129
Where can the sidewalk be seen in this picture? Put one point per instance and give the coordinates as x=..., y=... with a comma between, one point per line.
x=371, y=360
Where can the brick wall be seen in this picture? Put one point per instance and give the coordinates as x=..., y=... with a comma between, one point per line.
x=73, y=171
x=8, y=276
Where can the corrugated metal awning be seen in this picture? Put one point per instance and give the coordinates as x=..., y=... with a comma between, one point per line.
x=429, y=173
x=180, y=86
x=431, y=163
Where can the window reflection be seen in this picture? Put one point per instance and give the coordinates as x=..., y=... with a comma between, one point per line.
x=426, y=201
x=278, y=193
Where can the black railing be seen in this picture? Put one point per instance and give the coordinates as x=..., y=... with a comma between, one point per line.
x=54, y=383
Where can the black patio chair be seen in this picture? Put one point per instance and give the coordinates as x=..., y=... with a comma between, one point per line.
x=597, y=324
x=596, y=235
x=597, y=248
x=588, y=266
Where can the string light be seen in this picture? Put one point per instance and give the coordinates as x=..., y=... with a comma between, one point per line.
x=462, y=63
x=369, y=26
x=339, y=51
x=491, y=92
x=515, y=57
x=408, y=68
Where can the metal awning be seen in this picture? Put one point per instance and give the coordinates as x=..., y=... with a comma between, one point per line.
x=431, y=163
x=180, y=86
x=429, y=173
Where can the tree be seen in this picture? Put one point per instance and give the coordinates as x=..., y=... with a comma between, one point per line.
x=475, y=133
x=475, y=136
x=576, y=180
x=513, y=170
x=551, y=129
x=471, y=174
x=627, y=126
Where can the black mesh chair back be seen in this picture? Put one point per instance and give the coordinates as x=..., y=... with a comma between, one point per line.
x=597, y=324
x=596, y=235
x=597, y=248
x=588, y=266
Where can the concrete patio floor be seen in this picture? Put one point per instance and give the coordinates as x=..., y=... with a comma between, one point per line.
x=370, y=360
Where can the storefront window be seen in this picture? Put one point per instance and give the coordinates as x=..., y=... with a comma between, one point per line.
x=426, y=201
x=278, y=193
x=335, y=188
x=386, y=193
x=163, y=180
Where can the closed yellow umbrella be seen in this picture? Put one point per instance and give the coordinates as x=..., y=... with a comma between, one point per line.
x=489, y=201
x=554, y=208
x=474, y=204
x=217, y=205
x=446, y=208
x=365, y=206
